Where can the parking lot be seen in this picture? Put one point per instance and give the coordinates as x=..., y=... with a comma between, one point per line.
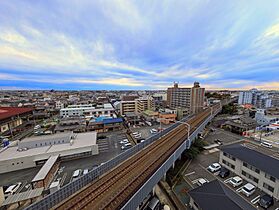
x=198, y=168
x=145, y=130
x=109, y=147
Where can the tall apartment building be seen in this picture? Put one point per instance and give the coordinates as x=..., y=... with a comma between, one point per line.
x=245, y=97
x=190, y=98
x=127, y=107
x=137, y=105
x=257, y=98
x=144, y=103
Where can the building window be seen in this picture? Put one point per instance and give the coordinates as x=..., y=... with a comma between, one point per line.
x=252, y=168
x=229, y=156
x=270, y=177
x=266, y=186
x=228, y=164
x=249, y=176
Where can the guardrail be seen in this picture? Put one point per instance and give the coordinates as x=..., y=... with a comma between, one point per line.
x=69, y=189
x=53, y=199
x=139, y=196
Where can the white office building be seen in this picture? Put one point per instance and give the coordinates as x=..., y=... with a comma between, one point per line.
x=88, y=110
x=33, y=151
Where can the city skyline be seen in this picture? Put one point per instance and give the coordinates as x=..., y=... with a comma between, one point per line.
x=130, y=45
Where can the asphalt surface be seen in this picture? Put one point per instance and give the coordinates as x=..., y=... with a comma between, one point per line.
x=198, y=168
x=108, y=149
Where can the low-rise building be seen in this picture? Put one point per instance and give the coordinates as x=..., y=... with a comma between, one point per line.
x=240, y=124
x=88, y=111
x=217, y=196
x=34, y=151
x=75, y=124
x=166, y=117
x=13, y=117
x=253, y=166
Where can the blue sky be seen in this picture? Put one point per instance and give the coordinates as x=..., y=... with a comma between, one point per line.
x=117, y=44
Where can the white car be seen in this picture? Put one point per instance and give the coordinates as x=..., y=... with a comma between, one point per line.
x=153, y=130
x=124, y=141
x=136, y=133
x=126, y=146
x=214, y=167
x=266, y=144
x=85, y=171
x=202, y=181
x=248, y=189
x=236, y=181
x=138, y=136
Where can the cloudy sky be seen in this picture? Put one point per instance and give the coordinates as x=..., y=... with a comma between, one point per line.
x=118, y=44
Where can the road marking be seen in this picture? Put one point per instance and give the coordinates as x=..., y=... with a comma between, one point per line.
x=195, y=181
x=63, y=179
x=190, y=173
x=239, y=189
x=22, y=186
x=227, y=180
x=255, y=200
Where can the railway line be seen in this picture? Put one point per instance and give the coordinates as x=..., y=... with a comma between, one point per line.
x=113, y=189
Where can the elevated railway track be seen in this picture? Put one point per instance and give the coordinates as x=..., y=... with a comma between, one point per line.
x=113, y=189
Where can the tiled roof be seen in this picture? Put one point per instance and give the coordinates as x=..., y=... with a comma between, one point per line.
x=7, y=112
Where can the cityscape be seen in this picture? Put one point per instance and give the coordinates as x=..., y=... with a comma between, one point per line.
x=162, y=105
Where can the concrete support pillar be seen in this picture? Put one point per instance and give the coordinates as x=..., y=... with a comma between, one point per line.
x=164, y=177
x=153, y=190
x=138, y=208
x=173, y=165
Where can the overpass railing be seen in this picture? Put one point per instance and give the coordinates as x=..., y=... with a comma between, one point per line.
x=63, y=193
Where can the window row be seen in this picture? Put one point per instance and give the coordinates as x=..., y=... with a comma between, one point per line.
x=252, y=168
x=228, y=164
x=249, y=176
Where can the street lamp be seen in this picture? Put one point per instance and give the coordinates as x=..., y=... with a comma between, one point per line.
x=188, y=126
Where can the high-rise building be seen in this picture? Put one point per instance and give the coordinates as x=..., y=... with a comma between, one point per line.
x=138, y=105
x=197, y=98
x=245, y=97
x=144, y=103
x=189, y=98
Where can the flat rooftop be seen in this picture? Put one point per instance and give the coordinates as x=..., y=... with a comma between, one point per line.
x=45, y=169
x=82, y=140
x=61, y=136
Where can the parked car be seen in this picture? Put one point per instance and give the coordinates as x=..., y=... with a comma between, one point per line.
x=266, y=201
x=224, y=172
x=236, y=181
x=218, y=141
x=248, y=189
x=202, y=181
x=153, y=130
x=76, y=173
x=214, y=167
x=124, y=141
x=266, y=144
x=85, y=171
x=126, y=146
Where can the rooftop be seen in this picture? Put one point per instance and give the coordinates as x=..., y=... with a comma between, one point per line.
x=23, y=196
x=215, y=195
x=6, y=112
x=82, y=140
x=45, y=169
x=257, y=159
